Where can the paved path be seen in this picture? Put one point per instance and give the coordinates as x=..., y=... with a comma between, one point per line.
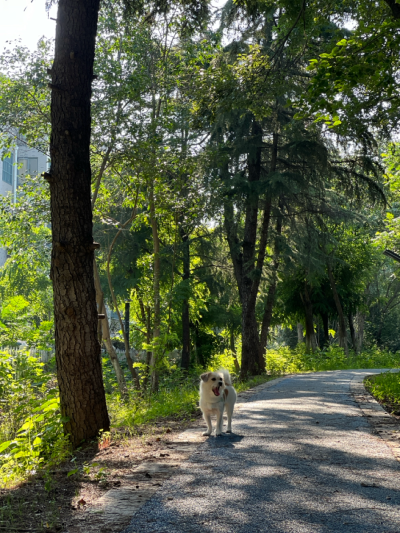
x=302, y=459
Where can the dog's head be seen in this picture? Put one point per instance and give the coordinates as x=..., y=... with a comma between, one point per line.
x=214, y=382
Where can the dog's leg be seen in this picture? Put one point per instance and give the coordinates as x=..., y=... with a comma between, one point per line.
x=218, y=430
x=207, y=418
x=229, y=413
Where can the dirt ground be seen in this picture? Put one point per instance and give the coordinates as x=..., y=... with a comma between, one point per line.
x=56, y=502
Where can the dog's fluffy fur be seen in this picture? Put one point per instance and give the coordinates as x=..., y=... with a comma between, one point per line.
x=217, y=394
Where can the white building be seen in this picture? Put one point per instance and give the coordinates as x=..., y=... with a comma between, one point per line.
x=30, y=161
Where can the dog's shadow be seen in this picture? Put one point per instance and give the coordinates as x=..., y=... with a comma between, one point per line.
x=226, y=440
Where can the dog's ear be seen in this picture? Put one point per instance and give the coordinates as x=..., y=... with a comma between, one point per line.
x=205, y=376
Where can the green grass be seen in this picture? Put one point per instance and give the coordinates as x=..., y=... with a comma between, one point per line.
x=179, y=401
x=386, y=389
x=286, y=361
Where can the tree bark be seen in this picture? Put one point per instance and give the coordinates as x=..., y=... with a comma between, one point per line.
x=250, y=335
x=300, y=334
x=352, y=333
x=342, y=323
x=82, y=396
x=185, y=360
x=105, y=330
x=267, y=316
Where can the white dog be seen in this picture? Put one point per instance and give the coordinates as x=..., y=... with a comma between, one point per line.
x=217, y=393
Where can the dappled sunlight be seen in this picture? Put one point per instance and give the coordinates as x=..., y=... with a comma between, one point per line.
x=299, y=461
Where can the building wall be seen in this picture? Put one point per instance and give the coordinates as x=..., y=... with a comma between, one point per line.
x=30, y=159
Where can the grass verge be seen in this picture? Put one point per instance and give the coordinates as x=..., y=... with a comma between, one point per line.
x=386, y=389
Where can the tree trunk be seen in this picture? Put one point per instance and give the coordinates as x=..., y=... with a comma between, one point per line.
x=325, y=325
x=105, y=330
x=233, y=350
x=247, y=271
x=250, y=336
x=146, y=321
x=311, y=343
x=185, y=360
x=82, y=396
x=300, y=334
x=342, y=323
x=267, y=316
x=352, y=333
x=360, y=320
x=156, y=294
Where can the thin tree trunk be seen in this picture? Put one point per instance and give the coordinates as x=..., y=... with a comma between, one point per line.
x=82, y=395
x=132, y=369
x=311, y=343
x=267, y=316
x=185, y=360
x=325, y=325
x=156, y=291
x=342, y=323
x=233, y=350
x=352, y=333
x=360, y=319
x=300, y=334
x=105, y=329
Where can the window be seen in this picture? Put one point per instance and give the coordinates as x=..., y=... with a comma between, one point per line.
x=29, y=167
x=8, y=169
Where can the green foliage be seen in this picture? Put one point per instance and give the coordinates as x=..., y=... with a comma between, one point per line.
x=386, y=388
x=284, y=360
x=31, y=434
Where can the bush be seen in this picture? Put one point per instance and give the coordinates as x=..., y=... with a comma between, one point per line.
x=31, y=432
x=285, y=360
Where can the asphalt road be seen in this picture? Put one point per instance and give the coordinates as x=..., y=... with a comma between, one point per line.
x=302, y=459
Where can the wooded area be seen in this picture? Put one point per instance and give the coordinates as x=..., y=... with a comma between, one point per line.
x=223, y=184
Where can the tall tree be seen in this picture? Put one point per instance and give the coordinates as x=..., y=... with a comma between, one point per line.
x=82, y=396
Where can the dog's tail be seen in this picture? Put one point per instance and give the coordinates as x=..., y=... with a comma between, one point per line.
x=227, y=376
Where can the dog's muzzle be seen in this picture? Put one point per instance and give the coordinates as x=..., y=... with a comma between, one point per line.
x=216, y=390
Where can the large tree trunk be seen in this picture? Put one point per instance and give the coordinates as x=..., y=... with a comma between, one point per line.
x=82, y=396
x=185, y=360
x=250, y=336
x=105, y=330
x=339, y=308
x=247, y=270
